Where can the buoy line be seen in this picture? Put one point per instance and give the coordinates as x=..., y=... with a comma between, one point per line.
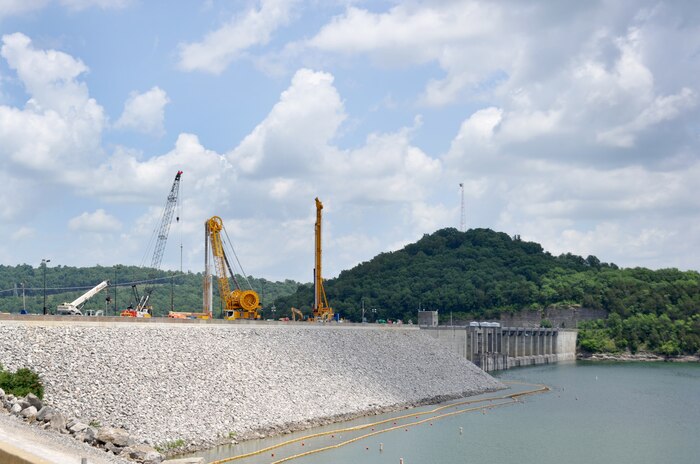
x=510, y=399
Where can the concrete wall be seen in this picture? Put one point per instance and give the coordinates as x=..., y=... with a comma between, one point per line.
x=428, y=318
x=497, y=348
x=561, y=318
x=566, y=344
x=11, y=455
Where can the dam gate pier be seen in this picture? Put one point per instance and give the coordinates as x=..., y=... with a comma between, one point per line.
x=493, y=348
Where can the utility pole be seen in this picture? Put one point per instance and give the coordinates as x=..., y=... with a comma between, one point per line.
x=24, y=301
x=116, y=268
x=43, y=264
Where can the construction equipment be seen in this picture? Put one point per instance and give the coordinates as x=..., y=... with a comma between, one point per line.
x=187, y=315
x=73, y=308
x=296, y=314
x=142, y=308
x=321, y=310
x=239, y=303
x=134, y=312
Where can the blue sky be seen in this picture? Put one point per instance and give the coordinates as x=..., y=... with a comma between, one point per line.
x=575, y=126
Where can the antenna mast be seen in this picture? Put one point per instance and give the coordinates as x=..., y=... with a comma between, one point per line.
x=463, y=214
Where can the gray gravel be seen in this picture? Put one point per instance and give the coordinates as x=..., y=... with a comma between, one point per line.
x=202, y=383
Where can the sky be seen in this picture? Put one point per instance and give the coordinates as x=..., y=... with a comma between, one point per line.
x=572, y=124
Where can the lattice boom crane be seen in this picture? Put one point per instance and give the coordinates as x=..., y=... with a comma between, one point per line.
x=142, y=309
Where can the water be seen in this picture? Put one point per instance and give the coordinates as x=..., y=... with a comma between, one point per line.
x=595, y=412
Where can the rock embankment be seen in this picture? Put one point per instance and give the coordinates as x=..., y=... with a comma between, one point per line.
x=201, y=384
x=116, y=442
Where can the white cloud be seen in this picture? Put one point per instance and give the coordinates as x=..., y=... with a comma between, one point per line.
x=460, y=36
x=661, y=109
x=104, y=4
x=99, y=221
x=521, y=126
x=222, y=46
x=145, y=112
x=204, y=171
x=292, y=149
x=19, y=7
x=23, y=233
x=406, y=33
x=430, y=217
x=629, y=214
x=297, y=130
x=578, y=130
x=16, y=7
x=60, y=124
x=480, y=127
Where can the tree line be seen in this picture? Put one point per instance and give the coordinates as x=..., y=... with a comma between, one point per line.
x=477, y=274
x=480, y=274
x=22, y=287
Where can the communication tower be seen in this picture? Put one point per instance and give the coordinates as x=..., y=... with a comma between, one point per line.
x=463, y=214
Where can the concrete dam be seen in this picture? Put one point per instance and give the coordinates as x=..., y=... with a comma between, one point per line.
x=497, y=348
x=204, y=382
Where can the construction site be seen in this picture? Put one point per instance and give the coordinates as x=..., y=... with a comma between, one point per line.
x=192, y=380
x=238, y=300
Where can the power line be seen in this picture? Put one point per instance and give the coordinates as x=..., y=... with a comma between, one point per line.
x=120, y=284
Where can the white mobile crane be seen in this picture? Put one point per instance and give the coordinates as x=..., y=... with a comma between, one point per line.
x=73, y=308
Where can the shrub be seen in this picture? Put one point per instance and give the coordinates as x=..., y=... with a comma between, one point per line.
x=21, y=383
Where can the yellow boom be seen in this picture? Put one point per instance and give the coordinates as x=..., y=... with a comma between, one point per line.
x=238, y=304
x=321, y=309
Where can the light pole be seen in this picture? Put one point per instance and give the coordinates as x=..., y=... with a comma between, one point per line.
x=116, y=268
x=43, y=265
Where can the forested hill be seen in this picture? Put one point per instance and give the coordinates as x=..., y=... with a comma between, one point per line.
x=183, y=292
x=480, y=273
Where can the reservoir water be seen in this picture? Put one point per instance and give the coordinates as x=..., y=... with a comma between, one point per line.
x=595, y=412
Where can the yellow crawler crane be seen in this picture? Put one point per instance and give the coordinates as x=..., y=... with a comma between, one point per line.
x=321, y=310
x=239, y=303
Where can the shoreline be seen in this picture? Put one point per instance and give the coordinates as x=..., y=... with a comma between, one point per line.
x=168, y=395
x=637, y=357
x=292, y=427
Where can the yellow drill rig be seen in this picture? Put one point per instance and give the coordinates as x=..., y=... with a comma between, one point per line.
x=321, y=310
x=239, y=303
